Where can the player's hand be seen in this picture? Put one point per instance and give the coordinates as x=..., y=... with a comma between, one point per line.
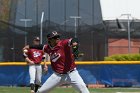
x=25, y=51
x=74, y=44
x=31, y=63
x=45, y=68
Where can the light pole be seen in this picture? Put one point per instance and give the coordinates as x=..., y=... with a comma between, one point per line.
x=128, y=31
x=25, y=21
x=75, y=18
x=41, y=28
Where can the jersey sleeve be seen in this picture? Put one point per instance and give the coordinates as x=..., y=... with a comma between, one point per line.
x=45, y=48
x=67, y=42
x=26, y=54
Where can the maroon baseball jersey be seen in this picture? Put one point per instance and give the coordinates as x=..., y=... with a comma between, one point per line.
x=35, y=55
x=61, y=56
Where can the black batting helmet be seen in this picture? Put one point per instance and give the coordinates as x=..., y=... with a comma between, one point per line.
x=53, y=34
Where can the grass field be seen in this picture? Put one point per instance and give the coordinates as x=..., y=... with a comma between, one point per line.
x=71, y=90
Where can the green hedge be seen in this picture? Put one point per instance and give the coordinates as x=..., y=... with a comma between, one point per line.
x=123, y=57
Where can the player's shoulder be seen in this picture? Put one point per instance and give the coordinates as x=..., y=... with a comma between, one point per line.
x=46, y=46
x=66, y=41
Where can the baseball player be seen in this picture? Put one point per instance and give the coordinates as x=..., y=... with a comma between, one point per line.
x=62, y=63
x=34, y=58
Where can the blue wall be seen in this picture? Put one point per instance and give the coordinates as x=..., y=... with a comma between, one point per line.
x=113, y=75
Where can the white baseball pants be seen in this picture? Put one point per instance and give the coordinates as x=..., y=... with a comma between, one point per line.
x=35, y=72
x=72, y=78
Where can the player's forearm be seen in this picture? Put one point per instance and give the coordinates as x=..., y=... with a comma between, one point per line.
x=45, y=63
x=45, y=67
x=28, y=60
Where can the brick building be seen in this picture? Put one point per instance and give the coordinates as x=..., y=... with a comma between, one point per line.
x=120, y=46
x=118, y=38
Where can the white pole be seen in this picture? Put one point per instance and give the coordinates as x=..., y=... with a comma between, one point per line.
x=128, y=31
x=129, y=35
x=75, y=24
x=25, y=33
x=41, y=28
x=25, y=22
x=75, y=28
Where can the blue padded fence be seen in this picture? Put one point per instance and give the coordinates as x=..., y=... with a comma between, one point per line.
x=113, y=75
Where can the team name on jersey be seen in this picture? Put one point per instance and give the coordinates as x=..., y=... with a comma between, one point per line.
x=54, y=57
x=36, y=54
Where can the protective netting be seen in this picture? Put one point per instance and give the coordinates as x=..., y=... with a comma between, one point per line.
x=93, y=33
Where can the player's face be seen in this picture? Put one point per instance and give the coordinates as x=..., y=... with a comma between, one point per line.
x=36, y=42
x=53, y=41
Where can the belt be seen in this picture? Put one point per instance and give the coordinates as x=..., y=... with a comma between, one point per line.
x=66, y=72
x=37, y=63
